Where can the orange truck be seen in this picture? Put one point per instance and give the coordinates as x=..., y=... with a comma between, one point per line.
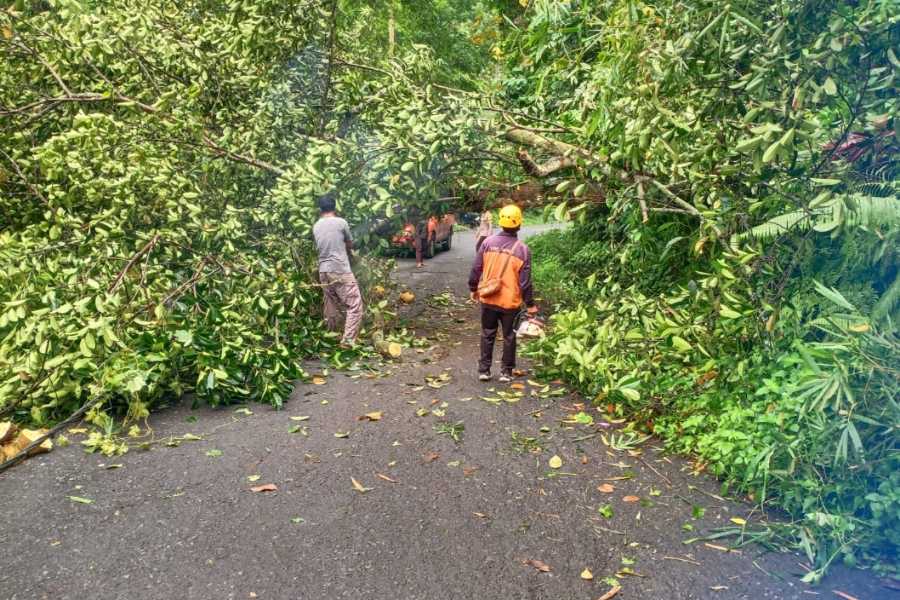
x=440, y=236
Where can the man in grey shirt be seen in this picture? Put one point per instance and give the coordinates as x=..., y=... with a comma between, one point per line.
x=341, y=291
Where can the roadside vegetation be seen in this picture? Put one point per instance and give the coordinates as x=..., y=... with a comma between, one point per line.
x=734, y=289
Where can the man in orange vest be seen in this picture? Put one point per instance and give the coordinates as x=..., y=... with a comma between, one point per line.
x=501, y=281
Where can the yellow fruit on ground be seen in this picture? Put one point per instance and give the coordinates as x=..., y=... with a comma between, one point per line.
x=407, y=297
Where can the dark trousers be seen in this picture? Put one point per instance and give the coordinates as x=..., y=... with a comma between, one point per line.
x=421, y=242
x=491, y=320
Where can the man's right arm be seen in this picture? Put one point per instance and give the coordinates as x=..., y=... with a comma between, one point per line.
x=525, y=282
x=348, y=238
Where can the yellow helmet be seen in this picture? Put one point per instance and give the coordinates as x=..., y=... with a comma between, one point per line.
x=510, y=216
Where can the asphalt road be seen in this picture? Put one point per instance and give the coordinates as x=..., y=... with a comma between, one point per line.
x=440, y=519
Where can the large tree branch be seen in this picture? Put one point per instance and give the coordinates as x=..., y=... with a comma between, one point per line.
x=547, y=168
x=569, y=155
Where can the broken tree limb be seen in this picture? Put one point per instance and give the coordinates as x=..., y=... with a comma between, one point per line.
x=137, y=256
x=685, y=205
x=569, y=155
x=386, y=348
x=530, y=138
x=640, y=191
x=23, y=453
x=547, y=168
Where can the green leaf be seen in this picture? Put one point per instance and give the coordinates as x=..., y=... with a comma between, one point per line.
x=630, y=394
x=834, y=295
x=771, y=152
x=80, y=500
x=729, y=313
x=681, y=344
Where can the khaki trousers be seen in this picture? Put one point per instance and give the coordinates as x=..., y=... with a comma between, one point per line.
x=342, y=295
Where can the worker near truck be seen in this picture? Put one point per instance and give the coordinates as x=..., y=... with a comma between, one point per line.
x=501, y=281
x=335, y=244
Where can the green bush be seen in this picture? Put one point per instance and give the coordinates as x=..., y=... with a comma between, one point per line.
x=802, y=416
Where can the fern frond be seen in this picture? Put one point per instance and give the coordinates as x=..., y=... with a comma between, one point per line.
x=798, y=220
x=889, y=303
x=872, y=211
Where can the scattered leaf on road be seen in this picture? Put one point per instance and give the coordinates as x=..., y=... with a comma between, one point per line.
x=431, y=457
x=540, y=566
x=342, y=434
x=468, y=471
x=422, y=412
x=606, y=511
x=253, y=478
x=606, y=488
x=612, y=592
x=517, y=386
x=385, y=477
x=80, y=500
x=587, y=575
x=359, y=487
x=266, y=487
x=372, y=416
x=738, y=521
x=297, y=520
x=722, y=548
x=214, y=452
x=480, y=515
x=300, y=418
x=555, y=462
x=319, y=380
x=630, y=499
x=243, y=411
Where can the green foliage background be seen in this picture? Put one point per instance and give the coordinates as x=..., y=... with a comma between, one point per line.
x=733, y=282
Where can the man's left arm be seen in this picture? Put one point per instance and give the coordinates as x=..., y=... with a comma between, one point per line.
x=477, y=268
